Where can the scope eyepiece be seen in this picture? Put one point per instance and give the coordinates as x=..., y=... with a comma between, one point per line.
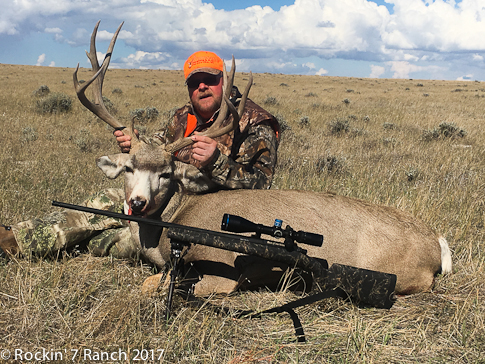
x=309, y=238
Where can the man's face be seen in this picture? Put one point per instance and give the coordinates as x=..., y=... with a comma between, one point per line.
x=205, y=91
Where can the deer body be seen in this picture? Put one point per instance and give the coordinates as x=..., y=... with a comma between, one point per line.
x=356, y=233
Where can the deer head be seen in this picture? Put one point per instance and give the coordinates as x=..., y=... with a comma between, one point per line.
x=150, y=168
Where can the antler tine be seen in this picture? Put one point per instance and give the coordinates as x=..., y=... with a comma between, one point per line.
x=98, y=108
x=236, y=114
x=244, y=97
x=228, y=82
x=215, y=129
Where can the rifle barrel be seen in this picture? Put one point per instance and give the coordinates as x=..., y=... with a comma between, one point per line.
x=168, y=225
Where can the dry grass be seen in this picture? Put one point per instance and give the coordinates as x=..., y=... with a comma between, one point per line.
x=79, y=301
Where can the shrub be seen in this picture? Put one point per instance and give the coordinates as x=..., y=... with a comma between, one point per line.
x=42, y=91
x=339, y=126
x=412, y=174
x=145, y=115
x=430, y=134
x=109, y=105
x=54, y=103
x=85, y=141
x=304, y=121
x=117, y=91
x=346, y=101
x=444, y=130
x=355, y=132
x=29, y=134
x=330, y=163
x=450, y=130
x=151, y=113
x=284, y=126
x=389, y=141
x=270, y=100
x=137, y=114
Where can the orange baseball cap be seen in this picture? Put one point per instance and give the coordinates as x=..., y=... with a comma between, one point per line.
x=203, y=61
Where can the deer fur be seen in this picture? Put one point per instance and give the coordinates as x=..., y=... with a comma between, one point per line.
x=356, y=233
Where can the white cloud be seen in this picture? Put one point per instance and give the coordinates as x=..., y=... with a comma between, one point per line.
x=40, y=60
x=144, y=59
x=53, y=30
x=478, y=57
x=376, y=71
x=402, y=69
x=321, y=72
x=310, y=65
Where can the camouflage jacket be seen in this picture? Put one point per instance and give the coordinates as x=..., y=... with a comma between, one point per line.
x=246, y=157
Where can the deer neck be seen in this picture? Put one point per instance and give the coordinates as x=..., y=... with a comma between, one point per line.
x=171, y=202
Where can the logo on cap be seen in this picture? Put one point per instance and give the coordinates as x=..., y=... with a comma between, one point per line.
x=203, y=61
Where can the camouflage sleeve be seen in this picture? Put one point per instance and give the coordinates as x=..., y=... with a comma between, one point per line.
x=253, y=166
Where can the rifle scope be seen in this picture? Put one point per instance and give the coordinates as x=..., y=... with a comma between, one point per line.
x=237, y=224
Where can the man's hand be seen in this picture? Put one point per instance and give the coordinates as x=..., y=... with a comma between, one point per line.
x=203, y=149
x=124, y=141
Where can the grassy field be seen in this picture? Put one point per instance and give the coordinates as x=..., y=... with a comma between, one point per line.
x=414, y=144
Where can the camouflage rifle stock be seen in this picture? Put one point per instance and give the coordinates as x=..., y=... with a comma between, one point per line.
x=360, y=285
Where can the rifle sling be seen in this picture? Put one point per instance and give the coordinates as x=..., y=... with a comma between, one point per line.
x=287, y=307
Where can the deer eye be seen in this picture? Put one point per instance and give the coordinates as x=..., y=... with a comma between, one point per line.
x=164, y=176
x=128, y=170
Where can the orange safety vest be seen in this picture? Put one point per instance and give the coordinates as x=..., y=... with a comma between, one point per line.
x=189, y=129
x=191, y=125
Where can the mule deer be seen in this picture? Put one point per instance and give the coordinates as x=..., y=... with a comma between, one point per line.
x=356, y=233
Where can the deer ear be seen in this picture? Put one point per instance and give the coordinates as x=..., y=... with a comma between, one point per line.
x=191, y=179
x=113, y=165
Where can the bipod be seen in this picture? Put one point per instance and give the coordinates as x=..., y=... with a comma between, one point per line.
x=176, y=247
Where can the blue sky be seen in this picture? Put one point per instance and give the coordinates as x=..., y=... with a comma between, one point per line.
x=421, y=39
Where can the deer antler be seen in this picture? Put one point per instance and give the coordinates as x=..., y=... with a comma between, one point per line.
x=98, y=108
x=215, y=130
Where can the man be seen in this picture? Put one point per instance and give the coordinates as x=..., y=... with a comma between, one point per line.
x=244, y=158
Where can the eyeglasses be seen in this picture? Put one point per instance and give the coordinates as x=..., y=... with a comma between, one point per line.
x=209, y=80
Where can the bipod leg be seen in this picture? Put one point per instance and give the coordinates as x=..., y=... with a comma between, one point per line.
x=176, y=247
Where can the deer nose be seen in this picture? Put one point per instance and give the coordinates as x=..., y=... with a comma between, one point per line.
x=137, y=206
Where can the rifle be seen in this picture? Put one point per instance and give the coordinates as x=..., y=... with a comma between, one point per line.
x=362, y=286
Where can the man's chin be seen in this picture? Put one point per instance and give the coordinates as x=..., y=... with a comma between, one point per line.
x=206, y=107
